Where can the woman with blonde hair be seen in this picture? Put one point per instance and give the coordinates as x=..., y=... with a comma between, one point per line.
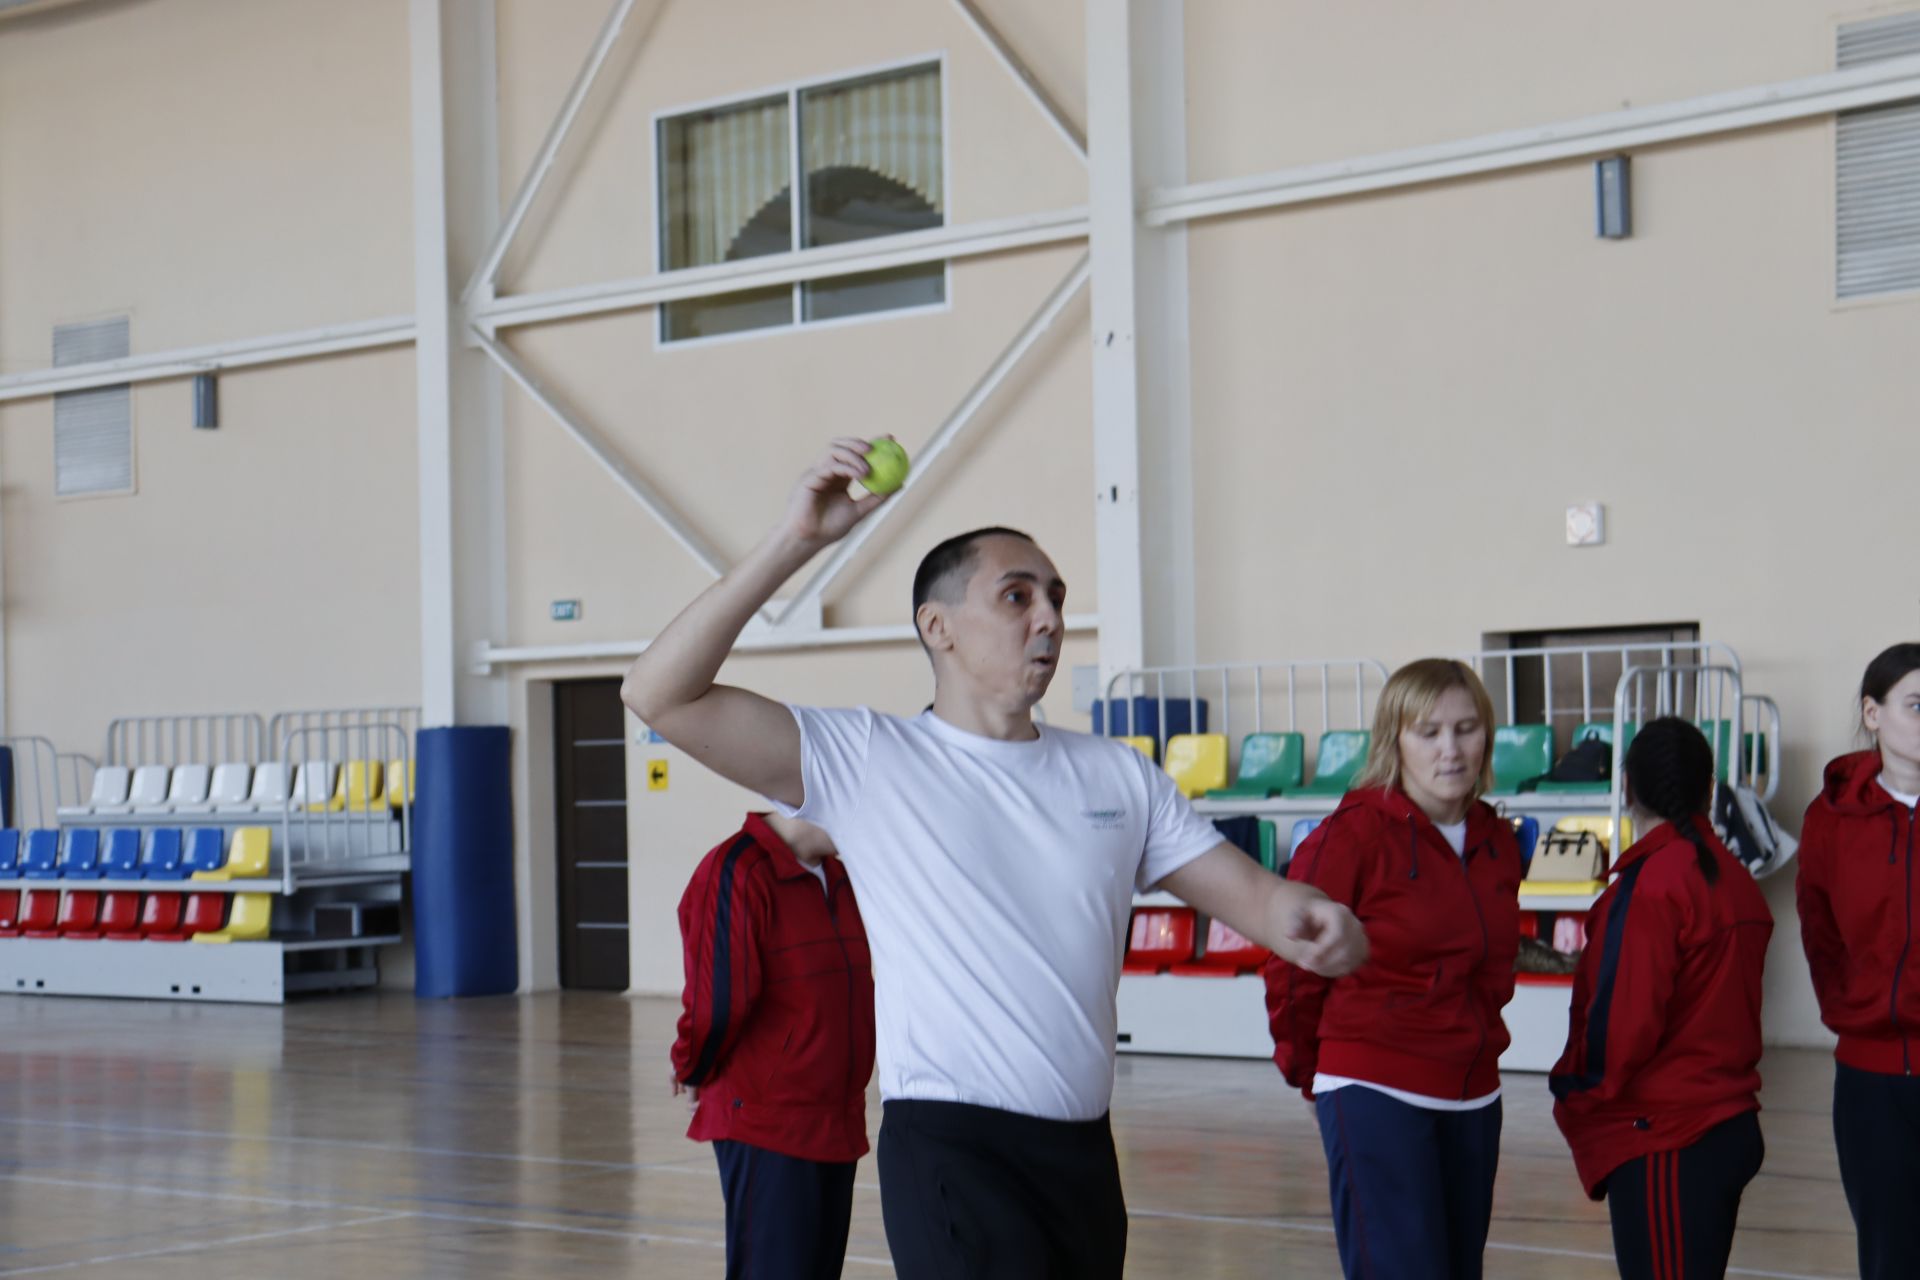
x=1401, y=1058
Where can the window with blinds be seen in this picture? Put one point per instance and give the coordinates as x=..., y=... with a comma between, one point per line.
x=92, y=429
x=865, y=156
x=1877, y=171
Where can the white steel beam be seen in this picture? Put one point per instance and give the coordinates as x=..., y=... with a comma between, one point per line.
x=1143, y=499
x=487, y=270
x=603, y=451
x=1877, y=84
x=937, y=244
x=457, y=391
x=754, y=640
x=926, y=461
x=184, y=362
x=1017, y=68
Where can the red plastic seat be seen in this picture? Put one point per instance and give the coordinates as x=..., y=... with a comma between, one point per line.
x=160, y=917
x=120, y=917
x=1227, y=953
x=9, y=913
x=1159, y=938
x=80, y=915
x=205, y=913
x=40, y=913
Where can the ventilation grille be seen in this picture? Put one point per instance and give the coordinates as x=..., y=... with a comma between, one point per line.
x=92, y=429
x=1877, y=171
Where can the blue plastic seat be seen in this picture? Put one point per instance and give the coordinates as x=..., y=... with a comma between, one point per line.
x=206, y=850
x=40, y=855
x=80, y=854
x=160, y=860
x=1302, y=828
x=1526, y=831
x=121, y=861
x=9, y=854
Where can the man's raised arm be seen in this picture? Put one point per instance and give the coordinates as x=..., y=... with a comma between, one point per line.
x=740, y=735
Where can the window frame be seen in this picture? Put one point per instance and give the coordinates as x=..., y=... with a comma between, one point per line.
x=792, y=90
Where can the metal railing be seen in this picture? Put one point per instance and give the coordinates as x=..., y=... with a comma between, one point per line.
x=407, y=719
x=1251, y=685
x=1508, y=664
x=317, y=835
x=231, y=737
x=1708, y=694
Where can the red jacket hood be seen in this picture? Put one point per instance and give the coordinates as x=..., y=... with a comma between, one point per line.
x=1852, y=784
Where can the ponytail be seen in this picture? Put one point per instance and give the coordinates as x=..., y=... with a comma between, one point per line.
x=1670, y=773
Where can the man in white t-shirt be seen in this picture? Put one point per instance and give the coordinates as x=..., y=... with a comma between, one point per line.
x=995, y=861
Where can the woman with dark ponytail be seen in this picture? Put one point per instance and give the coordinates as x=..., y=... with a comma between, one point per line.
x=1857, y=892
x=1657, y=1092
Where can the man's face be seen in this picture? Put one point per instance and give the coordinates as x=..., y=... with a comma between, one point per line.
x=1003, y=636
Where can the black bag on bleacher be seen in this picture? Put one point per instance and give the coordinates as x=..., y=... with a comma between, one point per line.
x=1590, y=760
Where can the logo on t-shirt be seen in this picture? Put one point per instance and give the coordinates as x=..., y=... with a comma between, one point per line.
x=1105, y=819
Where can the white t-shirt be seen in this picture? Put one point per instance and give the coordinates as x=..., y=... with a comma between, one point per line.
x=996, y=880
x=1325, y=1084
x=1901, y=796
x=1456, y=835
x=819, y=872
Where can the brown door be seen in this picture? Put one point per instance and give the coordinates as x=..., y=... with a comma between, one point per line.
x=590, y=773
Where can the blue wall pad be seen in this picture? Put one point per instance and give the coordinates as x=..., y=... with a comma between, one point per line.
x=464, y=937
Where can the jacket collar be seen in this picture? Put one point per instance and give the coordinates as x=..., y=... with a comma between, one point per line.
x=786, y=863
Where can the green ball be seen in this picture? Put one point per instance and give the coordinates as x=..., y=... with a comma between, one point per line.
x=886, y=467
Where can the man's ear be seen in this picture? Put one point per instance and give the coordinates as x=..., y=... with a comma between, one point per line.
x=931, y=619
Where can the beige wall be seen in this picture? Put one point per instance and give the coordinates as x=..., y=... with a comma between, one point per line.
x=218, y=171
x=1277, y=84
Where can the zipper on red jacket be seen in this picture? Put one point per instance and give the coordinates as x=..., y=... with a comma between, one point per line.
x=1485, y=945
x=1899, y=970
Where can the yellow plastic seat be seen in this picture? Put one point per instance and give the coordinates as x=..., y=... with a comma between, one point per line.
x=1197, y=762
x=365, y=785
x=248, y=856
x=358, y=789
x=1599, y=824
x=1143, y=745
x=399, y=783
x=247, y=921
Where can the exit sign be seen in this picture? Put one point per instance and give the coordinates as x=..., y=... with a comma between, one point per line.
x=565, y=610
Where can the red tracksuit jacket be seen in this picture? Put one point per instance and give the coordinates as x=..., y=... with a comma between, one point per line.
x=1664, y=1040
x=1857, y=892
x=776, y=1028
x=1423, y=1014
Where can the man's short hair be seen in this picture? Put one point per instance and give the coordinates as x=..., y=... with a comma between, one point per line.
x=944, y=571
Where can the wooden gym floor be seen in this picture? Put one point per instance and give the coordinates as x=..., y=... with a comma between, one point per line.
x=378, y=1136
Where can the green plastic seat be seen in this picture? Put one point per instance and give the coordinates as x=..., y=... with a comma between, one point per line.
x=1269, y=845
x=1719, y=733
x=1521, y=754
x=1270, y=763
x=1602, y=729
x=1342, y=753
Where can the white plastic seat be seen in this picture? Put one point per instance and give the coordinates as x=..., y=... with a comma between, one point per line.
x=229, y=787
x=109, y=795
x=313, y=783
x=187, y=788
x=147, y=792
x=268, y=794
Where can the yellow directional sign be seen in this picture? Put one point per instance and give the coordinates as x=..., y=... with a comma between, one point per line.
x=656, y=775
